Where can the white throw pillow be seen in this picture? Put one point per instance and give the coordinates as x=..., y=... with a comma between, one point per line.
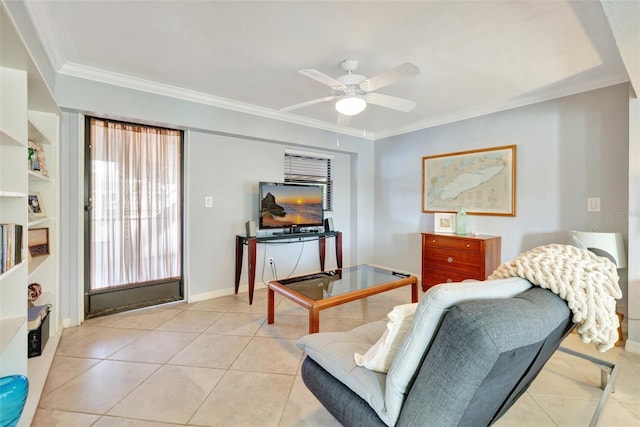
x=379, y=357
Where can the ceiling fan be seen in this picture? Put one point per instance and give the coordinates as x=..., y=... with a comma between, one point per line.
x=354, y=91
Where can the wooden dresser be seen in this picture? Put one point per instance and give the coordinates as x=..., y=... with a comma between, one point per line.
x=453, y=258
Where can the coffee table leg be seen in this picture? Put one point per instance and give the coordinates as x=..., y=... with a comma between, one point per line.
x=314, y=320
x=270, y=306
x=414, y=292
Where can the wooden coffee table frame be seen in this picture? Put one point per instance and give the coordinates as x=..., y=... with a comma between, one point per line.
x=314, y=306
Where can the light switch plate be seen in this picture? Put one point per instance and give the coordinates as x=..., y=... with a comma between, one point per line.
x=208, y=202
x=593, y=204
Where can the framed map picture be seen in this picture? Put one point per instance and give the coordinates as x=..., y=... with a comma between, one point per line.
x=483, y=182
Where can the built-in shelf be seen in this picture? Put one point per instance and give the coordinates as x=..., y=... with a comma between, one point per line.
x=42, y=127
x=7, y=138
x=38, y=370
x=38, y=176
x=35, y=134
x=37, y=222
x=12, y=194
x=29, y=114
x=9, y=328
x=9, y=271
x=36, y=262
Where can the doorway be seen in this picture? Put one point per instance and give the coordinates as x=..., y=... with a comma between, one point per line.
x=133, y=216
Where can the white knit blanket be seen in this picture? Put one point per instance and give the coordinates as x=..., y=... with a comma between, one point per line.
x=589, y=284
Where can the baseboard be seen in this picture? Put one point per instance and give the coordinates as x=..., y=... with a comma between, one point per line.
x=632, y=346
x=221, y=293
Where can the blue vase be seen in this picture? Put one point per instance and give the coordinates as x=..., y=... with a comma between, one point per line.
x=13, y=396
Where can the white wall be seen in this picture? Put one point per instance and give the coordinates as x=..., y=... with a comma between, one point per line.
x=568, y=149
x=229, y=169
x=226, y=154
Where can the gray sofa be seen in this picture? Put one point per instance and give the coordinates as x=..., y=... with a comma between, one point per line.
x=485, y=349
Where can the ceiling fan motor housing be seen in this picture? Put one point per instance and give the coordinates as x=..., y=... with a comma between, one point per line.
x=352, y=82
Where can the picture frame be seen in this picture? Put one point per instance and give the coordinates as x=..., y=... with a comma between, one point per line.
x=36, y=207
x=36, y=158
x=483, y=182
x=444, y=222
x=38, y=242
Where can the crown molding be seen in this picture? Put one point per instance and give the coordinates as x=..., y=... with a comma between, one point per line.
x=496, y=107
x=117, y=79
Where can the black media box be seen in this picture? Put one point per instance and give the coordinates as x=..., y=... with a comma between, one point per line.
x=38, y=337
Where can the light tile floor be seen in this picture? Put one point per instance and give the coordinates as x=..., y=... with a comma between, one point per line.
x=218, y=363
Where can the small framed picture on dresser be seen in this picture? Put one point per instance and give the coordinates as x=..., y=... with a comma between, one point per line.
x=444, y=222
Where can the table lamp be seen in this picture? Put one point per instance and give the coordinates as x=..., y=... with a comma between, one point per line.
x=609, y=245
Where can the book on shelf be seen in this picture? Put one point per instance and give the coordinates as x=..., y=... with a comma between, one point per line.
x=10, y=246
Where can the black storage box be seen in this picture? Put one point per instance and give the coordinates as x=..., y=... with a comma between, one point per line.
x=38, y=337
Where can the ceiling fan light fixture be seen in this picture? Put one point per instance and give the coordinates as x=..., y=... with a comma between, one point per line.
x=351, y=105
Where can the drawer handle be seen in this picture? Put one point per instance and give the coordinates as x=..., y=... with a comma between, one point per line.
x=450, y=259
x=433, y=241
x=449, y=280
x=468, y=245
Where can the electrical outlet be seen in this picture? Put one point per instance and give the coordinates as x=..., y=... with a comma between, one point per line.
x=270, y=260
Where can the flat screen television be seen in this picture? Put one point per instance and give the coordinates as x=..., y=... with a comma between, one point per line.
x=286, y=205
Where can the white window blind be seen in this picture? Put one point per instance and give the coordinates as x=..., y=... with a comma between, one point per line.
x=310, y=168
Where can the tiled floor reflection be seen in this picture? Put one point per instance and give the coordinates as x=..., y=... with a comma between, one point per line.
x=218, y=363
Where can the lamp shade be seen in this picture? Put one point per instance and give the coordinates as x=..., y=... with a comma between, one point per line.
x=351, y=105
x=609, y=245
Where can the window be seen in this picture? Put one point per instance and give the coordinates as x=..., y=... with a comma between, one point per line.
x=302, y=167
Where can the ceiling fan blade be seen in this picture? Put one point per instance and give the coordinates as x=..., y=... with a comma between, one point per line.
x=322, y=78
x=392, y=102
x=307, y=103
x=390, y=76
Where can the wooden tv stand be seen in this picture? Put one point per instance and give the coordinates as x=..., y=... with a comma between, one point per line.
x=251, y=243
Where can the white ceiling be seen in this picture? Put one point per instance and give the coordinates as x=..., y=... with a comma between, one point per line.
x=475, y=57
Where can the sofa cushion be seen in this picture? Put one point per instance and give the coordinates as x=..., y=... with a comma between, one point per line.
x=431, y=309
x=381, y=354
x=334, y=352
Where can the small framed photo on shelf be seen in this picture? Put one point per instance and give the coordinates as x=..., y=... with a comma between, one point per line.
x=37, y=160
x=38, y=242
x=444, y=222
x=36, y=208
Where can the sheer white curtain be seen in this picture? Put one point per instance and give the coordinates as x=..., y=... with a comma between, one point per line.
x=135, y=199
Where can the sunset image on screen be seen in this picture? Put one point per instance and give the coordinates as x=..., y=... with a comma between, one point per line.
x=289, y=205
x=298, y=195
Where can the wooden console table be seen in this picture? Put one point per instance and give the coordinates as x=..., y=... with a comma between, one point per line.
x=251, y=243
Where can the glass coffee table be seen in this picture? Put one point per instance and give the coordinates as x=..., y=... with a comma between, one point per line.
x=318, y=291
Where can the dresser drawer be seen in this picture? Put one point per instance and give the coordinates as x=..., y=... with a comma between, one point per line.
x=453, y=258
x=445, y=258
x=435, y=277
x=460, y=243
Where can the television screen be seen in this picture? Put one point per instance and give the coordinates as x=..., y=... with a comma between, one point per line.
x=284, y=205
